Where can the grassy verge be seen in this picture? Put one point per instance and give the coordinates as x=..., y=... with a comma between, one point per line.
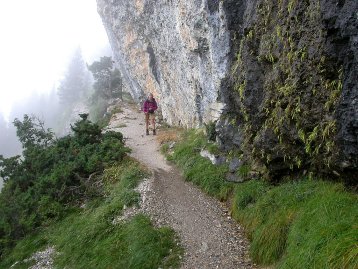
x=87, y=238
x=200, y=170
x=297, y=224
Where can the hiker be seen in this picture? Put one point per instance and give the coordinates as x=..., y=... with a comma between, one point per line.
x=149, y=108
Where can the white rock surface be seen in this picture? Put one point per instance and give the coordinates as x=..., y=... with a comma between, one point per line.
x=177, y=50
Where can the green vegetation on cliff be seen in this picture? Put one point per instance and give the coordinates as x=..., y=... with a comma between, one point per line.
x=304, y=223
x=287, y=110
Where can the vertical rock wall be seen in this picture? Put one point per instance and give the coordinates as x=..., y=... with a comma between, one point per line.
x=292, y=100
x=177, y=50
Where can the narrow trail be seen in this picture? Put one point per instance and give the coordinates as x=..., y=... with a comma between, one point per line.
x=209, y=237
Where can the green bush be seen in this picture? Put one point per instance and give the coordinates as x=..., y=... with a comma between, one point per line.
x=210, y=131
x=52, y=174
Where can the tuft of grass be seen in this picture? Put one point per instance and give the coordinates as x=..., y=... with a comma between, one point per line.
x=244, y=171
x=24, y=249
x=210, y=131
x=164, y=149
x=212, y=148
x=245, y=197
x=168, y=135
x=325, y=233
x=304, y=224
x=116, y=109
x=88, y=238
x=93, y=242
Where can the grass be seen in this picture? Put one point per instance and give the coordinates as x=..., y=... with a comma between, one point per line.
x=87, y=238
x=297, y=224
x=200, y=170
x=304, y=224
x=24, y=249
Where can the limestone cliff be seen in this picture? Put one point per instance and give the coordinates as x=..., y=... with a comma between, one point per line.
x=176, y=49
x=282, y=75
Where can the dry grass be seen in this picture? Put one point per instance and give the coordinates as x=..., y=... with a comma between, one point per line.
x=169, y=135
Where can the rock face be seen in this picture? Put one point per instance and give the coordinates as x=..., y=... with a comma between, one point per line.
x=281, y=75
x=177, y=50
x=292, y=99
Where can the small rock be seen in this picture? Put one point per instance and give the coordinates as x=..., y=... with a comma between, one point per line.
x=204, y=247
x=215, y=159
x=234, y=165
x=171, y=145
x=253, y=175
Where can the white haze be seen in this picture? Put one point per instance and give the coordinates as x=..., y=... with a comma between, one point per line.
x=37, y=39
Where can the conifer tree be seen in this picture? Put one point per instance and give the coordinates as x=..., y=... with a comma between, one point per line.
x=108, y=81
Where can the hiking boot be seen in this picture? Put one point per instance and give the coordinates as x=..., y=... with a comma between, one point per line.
x=154, y=132
x=147, y=132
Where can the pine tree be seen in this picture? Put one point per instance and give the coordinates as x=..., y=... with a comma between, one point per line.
x=108, y=81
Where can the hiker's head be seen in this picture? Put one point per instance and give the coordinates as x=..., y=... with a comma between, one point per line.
x=150, y=96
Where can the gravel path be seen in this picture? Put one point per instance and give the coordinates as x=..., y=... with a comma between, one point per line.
x=211, y=239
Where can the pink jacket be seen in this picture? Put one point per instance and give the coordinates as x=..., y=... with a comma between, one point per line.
x=150, y=106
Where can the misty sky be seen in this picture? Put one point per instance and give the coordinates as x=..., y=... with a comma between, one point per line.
x=37, y=39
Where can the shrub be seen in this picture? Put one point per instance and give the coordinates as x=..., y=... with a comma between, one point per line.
x=52, y=174
x=210, y=130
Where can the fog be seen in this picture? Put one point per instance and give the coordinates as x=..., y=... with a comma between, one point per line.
x=38, y=39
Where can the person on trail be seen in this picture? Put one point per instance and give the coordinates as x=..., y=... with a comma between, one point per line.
x=149, y=108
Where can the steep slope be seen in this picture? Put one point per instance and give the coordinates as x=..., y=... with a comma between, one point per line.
x=281, y=75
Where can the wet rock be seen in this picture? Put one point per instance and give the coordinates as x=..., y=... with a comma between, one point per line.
x=275, y=143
